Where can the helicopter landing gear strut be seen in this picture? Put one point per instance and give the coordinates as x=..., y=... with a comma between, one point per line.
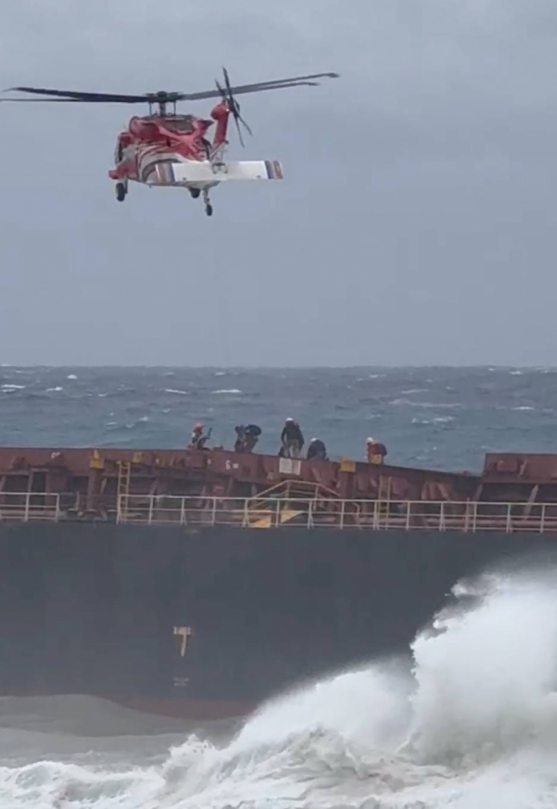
x=121, y=191
x=207, y=203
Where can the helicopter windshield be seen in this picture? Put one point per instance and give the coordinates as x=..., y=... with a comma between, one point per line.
x=180, y=123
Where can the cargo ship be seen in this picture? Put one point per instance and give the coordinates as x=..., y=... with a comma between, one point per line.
x=199, y=583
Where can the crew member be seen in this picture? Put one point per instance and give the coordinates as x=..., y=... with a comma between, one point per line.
x=198, y=438
x=376, y=452
x=317, y=451
x=292, y=439
x=247, y=437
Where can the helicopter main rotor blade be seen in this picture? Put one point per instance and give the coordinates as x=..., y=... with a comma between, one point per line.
x=169, y=97
x=258, y=87
x=77, y=95
x=39, y=101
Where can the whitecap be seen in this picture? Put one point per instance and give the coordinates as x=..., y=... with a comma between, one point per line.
x=524, y=407
x=443, y=419
x=71, y=376
x=102, y=395
x=232, y=390
x=179, y=392
x=54, y=390
x=516, y=373
x=13, y=387
x=427, y=405
x=220, y=373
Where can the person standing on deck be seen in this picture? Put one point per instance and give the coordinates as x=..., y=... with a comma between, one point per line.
x=198, y=439
x=292, y=439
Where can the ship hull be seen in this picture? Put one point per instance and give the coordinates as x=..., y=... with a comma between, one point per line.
x=211, y=623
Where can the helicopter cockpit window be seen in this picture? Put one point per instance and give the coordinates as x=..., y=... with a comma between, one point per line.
x=183, y=125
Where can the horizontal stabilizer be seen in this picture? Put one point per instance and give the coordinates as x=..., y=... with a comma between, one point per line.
x=192, y=172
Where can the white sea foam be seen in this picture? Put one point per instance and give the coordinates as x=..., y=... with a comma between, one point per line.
x=177, y=392
x=474, y=728
x=231, y=390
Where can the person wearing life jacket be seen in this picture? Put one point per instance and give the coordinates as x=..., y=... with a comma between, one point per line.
x=375, y=451
x=198, y=439
x=292, y=439
x=317, y=451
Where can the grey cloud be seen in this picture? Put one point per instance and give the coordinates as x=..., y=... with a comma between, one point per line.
x=415, y=223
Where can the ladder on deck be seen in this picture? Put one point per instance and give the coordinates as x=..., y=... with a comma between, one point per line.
x=124, y=478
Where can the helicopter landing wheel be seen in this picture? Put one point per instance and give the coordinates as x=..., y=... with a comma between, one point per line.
x=207, y=201
x=195, y=192
x=121, y=191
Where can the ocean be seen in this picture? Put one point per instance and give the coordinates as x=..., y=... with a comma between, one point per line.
x=445, y=418
x=466, y=719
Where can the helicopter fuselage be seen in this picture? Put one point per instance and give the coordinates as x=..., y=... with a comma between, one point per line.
x=152, y=142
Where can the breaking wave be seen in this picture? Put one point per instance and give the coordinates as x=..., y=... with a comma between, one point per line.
x=472, y=725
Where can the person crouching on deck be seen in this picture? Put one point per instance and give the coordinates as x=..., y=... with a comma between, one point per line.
x=317, y=451
x=375, y=451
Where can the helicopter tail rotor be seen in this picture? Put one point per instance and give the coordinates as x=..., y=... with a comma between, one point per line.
x=228, y=97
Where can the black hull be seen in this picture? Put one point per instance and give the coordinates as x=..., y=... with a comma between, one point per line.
x=209, y=624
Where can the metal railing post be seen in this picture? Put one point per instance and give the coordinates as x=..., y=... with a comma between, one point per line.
x=508, y=526
x=183, y=511
x=408, y=511
x=277, y=514
x=542, y=518
x=375, y=515
x=245, y=521
x=442, y=526
x=27, y=506
x=57, y=508
x=474, y=517
x=342, y=508
x=151, y=506
x=214, y=512
x=310, y=515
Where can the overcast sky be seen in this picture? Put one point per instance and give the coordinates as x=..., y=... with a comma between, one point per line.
x=415, y=224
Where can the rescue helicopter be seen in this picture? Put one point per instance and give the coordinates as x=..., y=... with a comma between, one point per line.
x=165, y=148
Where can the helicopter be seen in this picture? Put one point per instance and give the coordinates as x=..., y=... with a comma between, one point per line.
x=165, y=148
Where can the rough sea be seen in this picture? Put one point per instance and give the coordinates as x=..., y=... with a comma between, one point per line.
x=437, y=417
x=467, y=721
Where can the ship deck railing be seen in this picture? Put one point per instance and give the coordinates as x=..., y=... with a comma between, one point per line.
x=278, y=512
x=335, y=513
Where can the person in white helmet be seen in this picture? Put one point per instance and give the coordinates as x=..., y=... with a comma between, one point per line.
x=292, y=439
x=317, y=451
x=375, y=451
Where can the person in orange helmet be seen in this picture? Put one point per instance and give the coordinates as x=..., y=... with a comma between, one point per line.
x=198, y=438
